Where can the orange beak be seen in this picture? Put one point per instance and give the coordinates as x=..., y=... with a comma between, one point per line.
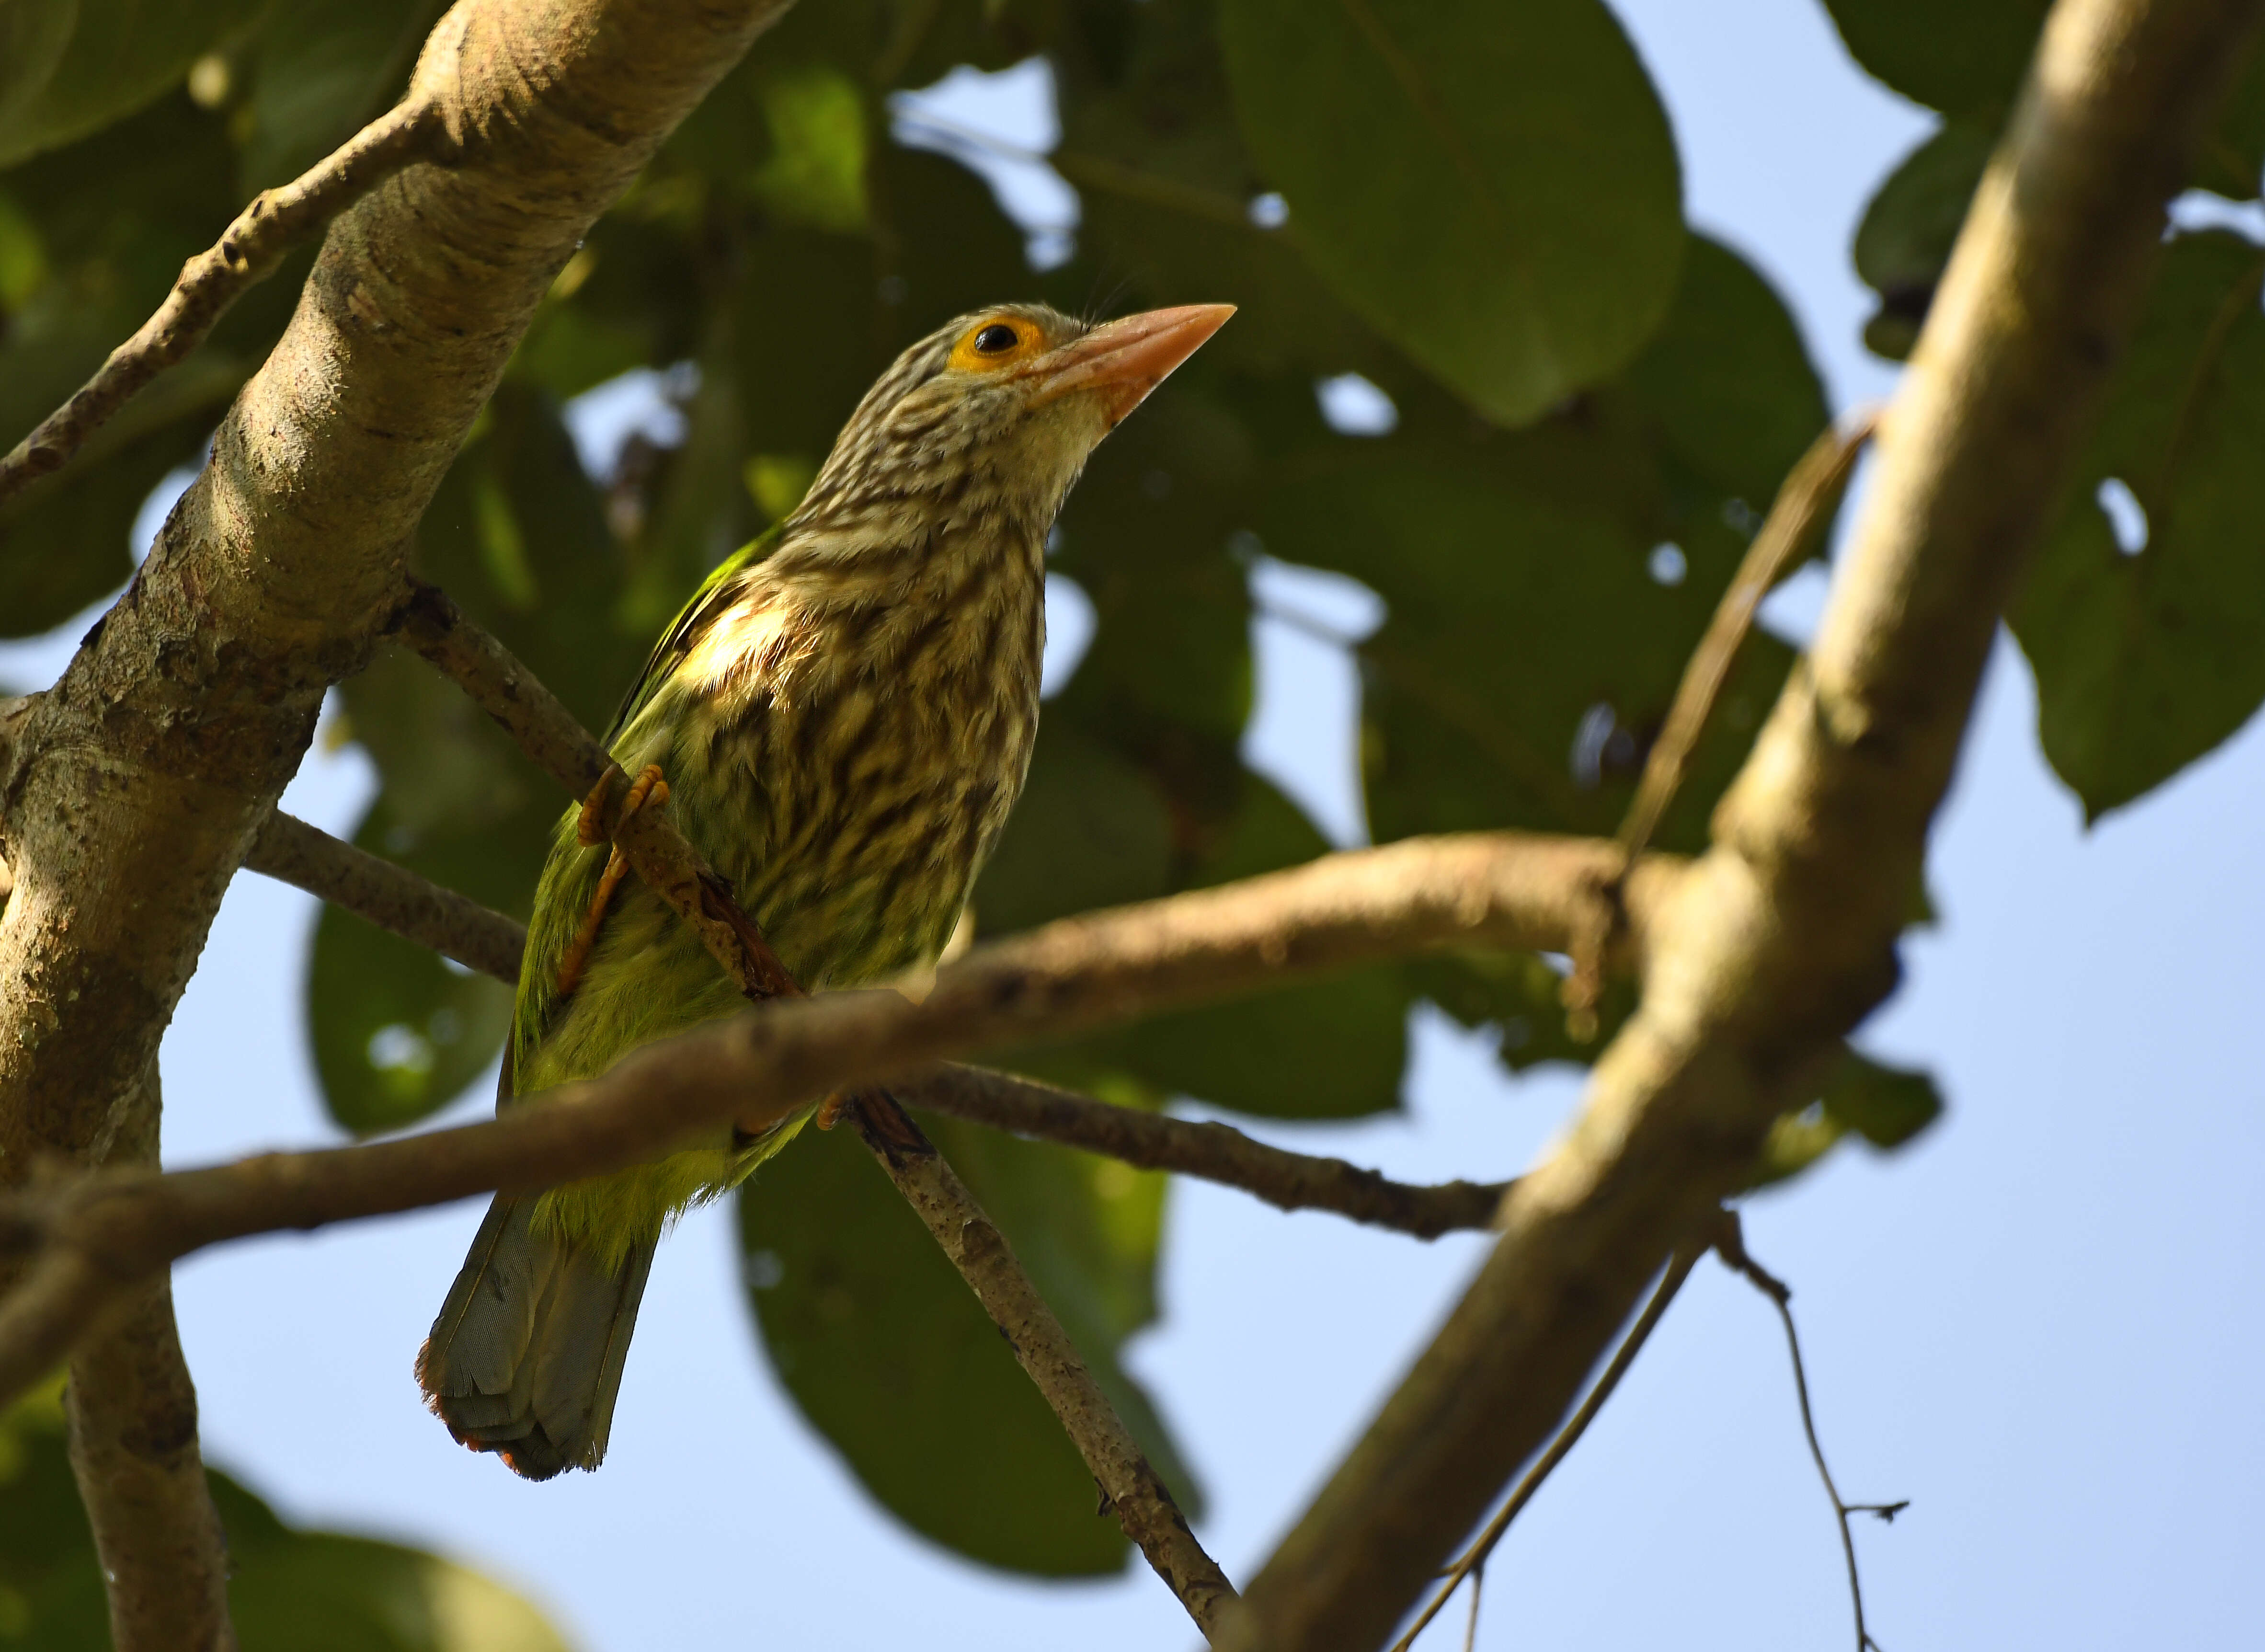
x=1126, y=358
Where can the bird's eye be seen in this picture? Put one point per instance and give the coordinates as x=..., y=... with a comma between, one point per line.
x=996, y=339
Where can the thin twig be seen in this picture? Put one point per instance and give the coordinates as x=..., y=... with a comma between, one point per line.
x=1131, y=1487
x=398, y=900
x=1216, y=1153
x=247, y=252
x=390, y=896
x=1730, y=1243
x=1474, y=1559
x=669, y=864
x=500, y=686
x=1812, y=484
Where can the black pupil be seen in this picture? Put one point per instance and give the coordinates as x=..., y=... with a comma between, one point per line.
x=996, y=339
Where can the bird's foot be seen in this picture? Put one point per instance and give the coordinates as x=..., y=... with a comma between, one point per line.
x=830, y=1110
x=648, y=788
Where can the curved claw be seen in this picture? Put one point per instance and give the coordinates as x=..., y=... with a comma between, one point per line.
x=649, y=787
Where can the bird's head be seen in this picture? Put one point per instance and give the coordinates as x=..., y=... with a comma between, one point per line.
x=994, y=414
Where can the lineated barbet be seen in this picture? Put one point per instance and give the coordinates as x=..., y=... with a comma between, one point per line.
x=843, y=714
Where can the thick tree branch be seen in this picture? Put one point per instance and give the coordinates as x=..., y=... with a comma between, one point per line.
x=131, y=789
x=395, y=898
x=1471, y=1563
x=132, y=1414
x=94, y=1238
x=246, y=254
x=1216, y=1153
x=669, y=864
x=1782, y=938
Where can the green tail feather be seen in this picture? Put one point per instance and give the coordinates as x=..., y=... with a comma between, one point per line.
x=526, y=1358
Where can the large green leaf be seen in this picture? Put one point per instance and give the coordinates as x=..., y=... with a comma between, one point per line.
x=1966, y=58
x=1908, y=229
x=1950, y=54
x=321, y=71
x=515, y=535
x=1091, y=830
x=1333, y=1048
x=1493, y=187
x=2147, y=657
x=95, y=235
x=892, y=1358
x=71, y=67
x=288, y=1590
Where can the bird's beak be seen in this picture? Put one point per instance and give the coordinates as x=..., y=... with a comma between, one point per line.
x=1126, y=358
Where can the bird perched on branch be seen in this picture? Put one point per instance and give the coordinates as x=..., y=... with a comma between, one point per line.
x=843, y=714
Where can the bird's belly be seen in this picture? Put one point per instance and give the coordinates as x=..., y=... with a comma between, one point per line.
x=865, y=824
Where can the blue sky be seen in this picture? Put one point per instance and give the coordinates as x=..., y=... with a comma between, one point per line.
x=2037, y=1324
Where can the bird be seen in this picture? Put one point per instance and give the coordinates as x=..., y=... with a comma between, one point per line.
x=839, y=720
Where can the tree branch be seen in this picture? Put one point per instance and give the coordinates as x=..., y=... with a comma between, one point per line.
x=132, y=1410
x=668, y=863
x=96, y=1237
x=395, y=898
x=209, y=283
x=1472, y=1562
x=1728, y=1239
x=1814, y=482
x=1133, y=1489
x=131, y=789
x=388, y=895
x=1216, y=1153
x=1782, y=938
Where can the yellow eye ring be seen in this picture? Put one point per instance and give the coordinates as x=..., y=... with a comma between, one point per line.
x=993, y=344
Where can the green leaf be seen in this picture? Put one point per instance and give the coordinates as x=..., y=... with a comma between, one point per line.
x=1950, y=54
x=71, y=67
x=287, y=1589
x=1726, y=384
x=2147, y=658
x=1498, y=194
x=1091, y=831
x=892, y=1358
x=64, y=543
x=358, y=1595
x=816, y=171
x=98, y=232
x=1886, y=1106
x=1530, y=652
x=397, y=1031
x=1333, y=1048
x=516, y=535
x=1908, y=229
x=322, y=70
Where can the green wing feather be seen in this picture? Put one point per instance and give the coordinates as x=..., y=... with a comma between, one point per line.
x=570, y=874
x=694, y=618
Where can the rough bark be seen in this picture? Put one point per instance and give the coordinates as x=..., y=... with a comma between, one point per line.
x=1782, y=938
x=1497, y=889
x=133, y=1415
x=132, y=789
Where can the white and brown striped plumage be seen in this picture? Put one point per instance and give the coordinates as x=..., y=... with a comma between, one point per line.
x=845, y=714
